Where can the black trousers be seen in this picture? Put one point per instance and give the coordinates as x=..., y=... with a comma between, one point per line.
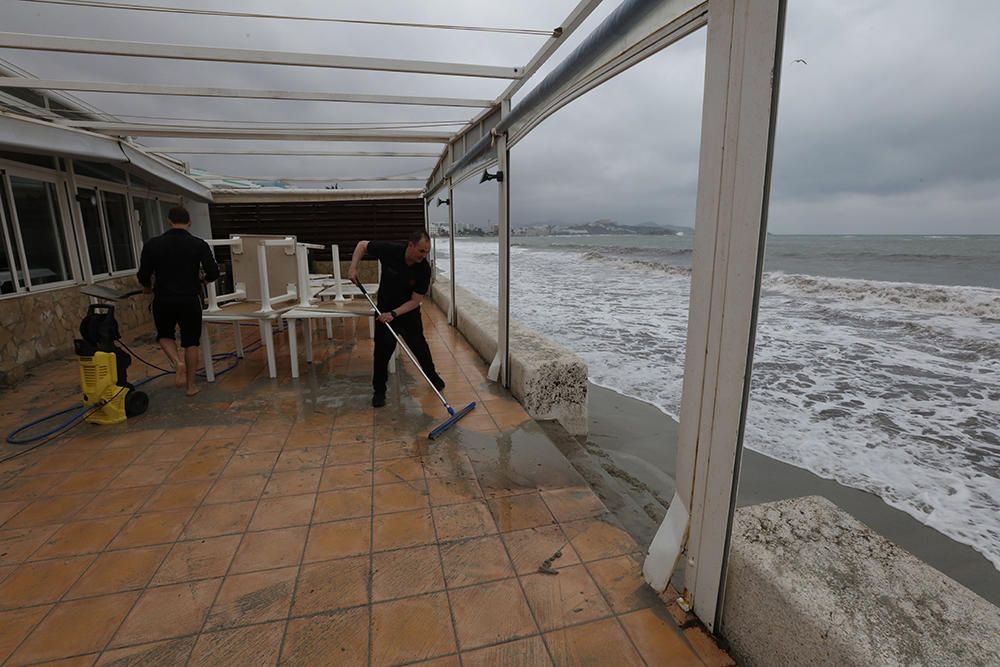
x=410, y=328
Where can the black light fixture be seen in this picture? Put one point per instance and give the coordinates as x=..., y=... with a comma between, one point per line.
x=487, y=176
x=443, y=201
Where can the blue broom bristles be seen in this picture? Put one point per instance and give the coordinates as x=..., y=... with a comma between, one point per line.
x=451, y=420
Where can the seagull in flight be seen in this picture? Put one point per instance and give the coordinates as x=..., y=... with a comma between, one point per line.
x=799, y=60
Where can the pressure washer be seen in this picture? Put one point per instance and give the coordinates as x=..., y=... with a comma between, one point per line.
x=454, y=415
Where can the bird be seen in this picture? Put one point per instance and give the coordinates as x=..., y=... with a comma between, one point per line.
x=799, y=60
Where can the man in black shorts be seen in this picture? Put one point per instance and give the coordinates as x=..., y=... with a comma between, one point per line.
x=170, y=268
x=406, y=277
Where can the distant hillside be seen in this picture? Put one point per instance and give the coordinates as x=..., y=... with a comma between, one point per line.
x=612, y=227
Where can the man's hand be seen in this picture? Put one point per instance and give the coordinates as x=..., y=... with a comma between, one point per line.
x=352, y=275
x=385, y=317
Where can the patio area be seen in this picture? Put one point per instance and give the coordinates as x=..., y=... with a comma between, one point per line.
x=287, y=522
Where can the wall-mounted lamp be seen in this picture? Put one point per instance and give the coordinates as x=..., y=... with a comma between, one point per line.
x=443, y=201
x=487, y=176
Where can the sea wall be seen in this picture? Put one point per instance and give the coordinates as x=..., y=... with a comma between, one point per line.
x=810, y=585
x=548, y=380
x=38, y=326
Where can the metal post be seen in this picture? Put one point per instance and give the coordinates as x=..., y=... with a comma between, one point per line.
x=500, y=368
x=452, y=306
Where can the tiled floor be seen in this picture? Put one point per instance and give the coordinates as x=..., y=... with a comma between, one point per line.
x=287, y=522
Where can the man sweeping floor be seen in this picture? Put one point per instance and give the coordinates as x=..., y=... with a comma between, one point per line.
x=406, y=277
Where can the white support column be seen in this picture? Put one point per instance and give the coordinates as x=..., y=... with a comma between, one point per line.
x=500, y=368
x=206, y=353
x=741, y=76
x=452, y=306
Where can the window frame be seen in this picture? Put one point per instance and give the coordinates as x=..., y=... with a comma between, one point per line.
x=100, y=187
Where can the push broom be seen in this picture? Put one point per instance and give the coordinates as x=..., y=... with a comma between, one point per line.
x=454, y=415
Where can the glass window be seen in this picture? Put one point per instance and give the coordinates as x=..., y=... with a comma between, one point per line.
x=119, y=231
x=8, y=258
x=46, y=161
x=104, y=172
x=40, y=223
x=97, y=249
x=150, y=221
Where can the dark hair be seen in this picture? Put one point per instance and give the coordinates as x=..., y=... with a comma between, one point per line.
x=417, y=237
x=178, y=215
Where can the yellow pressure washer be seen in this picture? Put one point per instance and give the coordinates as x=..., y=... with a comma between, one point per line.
x=104, y=365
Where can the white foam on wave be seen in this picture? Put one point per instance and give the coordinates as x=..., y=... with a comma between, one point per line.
x=892, y=388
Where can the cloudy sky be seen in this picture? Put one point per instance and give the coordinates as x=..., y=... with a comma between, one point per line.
x=891, y=127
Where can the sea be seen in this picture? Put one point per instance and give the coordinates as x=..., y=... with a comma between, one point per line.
x=877, y=360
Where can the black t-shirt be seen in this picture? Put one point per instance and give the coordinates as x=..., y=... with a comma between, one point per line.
x=399, y=281
x=174, y=259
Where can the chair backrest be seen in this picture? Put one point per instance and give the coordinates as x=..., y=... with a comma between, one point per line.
x=282, y=268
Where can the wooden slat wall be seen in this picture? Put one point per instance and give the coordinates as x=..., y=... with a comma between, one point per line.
x=326, y=222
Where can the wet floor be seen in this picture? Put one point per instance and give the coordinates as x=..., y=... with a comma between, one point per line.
x=288, y=522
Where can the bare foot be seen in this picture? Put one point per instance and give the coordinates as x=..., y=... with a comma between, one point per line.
x=192, y=391
x=180, y=375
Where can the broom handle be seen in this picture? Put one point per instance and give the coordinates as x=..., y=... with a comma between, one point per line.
x=406, y=349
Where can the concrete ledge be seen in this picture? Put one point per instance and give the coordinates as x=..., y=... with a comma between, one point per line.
x=548, y=380
x=810, y=585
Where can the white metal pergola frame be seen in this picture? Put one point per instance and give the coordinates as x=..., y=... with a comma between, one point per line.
x=742, y=67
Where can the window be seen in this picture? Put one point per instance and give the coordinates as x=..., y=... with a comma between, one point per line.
x=119, y=231
x=150, y=220
x=38, y=229
x=8, y=277
x=103, y=172
x=97, y=245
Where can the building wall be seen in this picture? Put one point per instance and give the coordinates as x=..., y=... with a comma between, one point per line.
x=40, y=326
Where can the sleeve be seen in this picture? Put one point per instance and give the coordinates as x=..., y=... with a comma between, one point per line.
x=145, y=274
x=208, y=263
x=423, y=280
x=378, y=249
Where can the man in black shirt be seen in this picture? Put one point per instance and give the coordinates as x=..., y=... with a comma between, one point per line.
x=406, y=277
x=170, y=268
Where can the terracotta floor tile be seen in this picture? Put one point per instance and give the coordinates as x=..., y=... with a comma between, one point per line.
x=411, y=629
x=338, y=539
x=85, y=481
x=573, y=503
x=343, y=454
x=111, y=458
x=41, y=582
x=275, y=424
x=283, y=512
x=530, y=652
x=399, y=470
x=167, y=453
x=152, y=528
x=343, y=504
x=519, y=512
x=114, y=502
x=491, y=613
x=19, y=543
x=620, y=579
x=269, y=442
x=595, y=540
x=447, y=661
x=9, y=509
x=331, y=585
x=705, y=646
x=597, y=643
x=80, y=537
x=142, y=475
x=247, y=647
x=65, y=462
x=406, y=572
x=250, y=463
x=167, y=611
x=47, y=511
x=396, y=449
x=234, y=431
x=403, y=529
x=346, y=476
x=292, y=483
x=28, y=488
x=531, y=547
x=177, y=496
x=340, y=638
x=567, y=598
x=453, y=491
x=455, y=522
x=235, y=489
x=270, y=549
x=79, y=626
x=401, y=497
x=16, y=625
x=140, y=437
x=169, y=652
x=253, y=598
x=212, y=520
x=116, y=571
x=200, y=466
x=475, y=561
x=190, y=434
x=658, y=641
x=197, y=559
x=307, y=439
x=300, y=459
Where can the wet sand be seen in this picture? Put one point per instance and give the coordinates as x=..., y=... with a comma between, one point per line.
x=636, y=444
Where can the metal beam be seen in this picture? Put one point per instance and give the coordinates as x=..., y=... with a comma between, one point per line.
x=238, y=93
x=109, y=47
x=185, y=151
x=272, y=195
x=257, y=133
